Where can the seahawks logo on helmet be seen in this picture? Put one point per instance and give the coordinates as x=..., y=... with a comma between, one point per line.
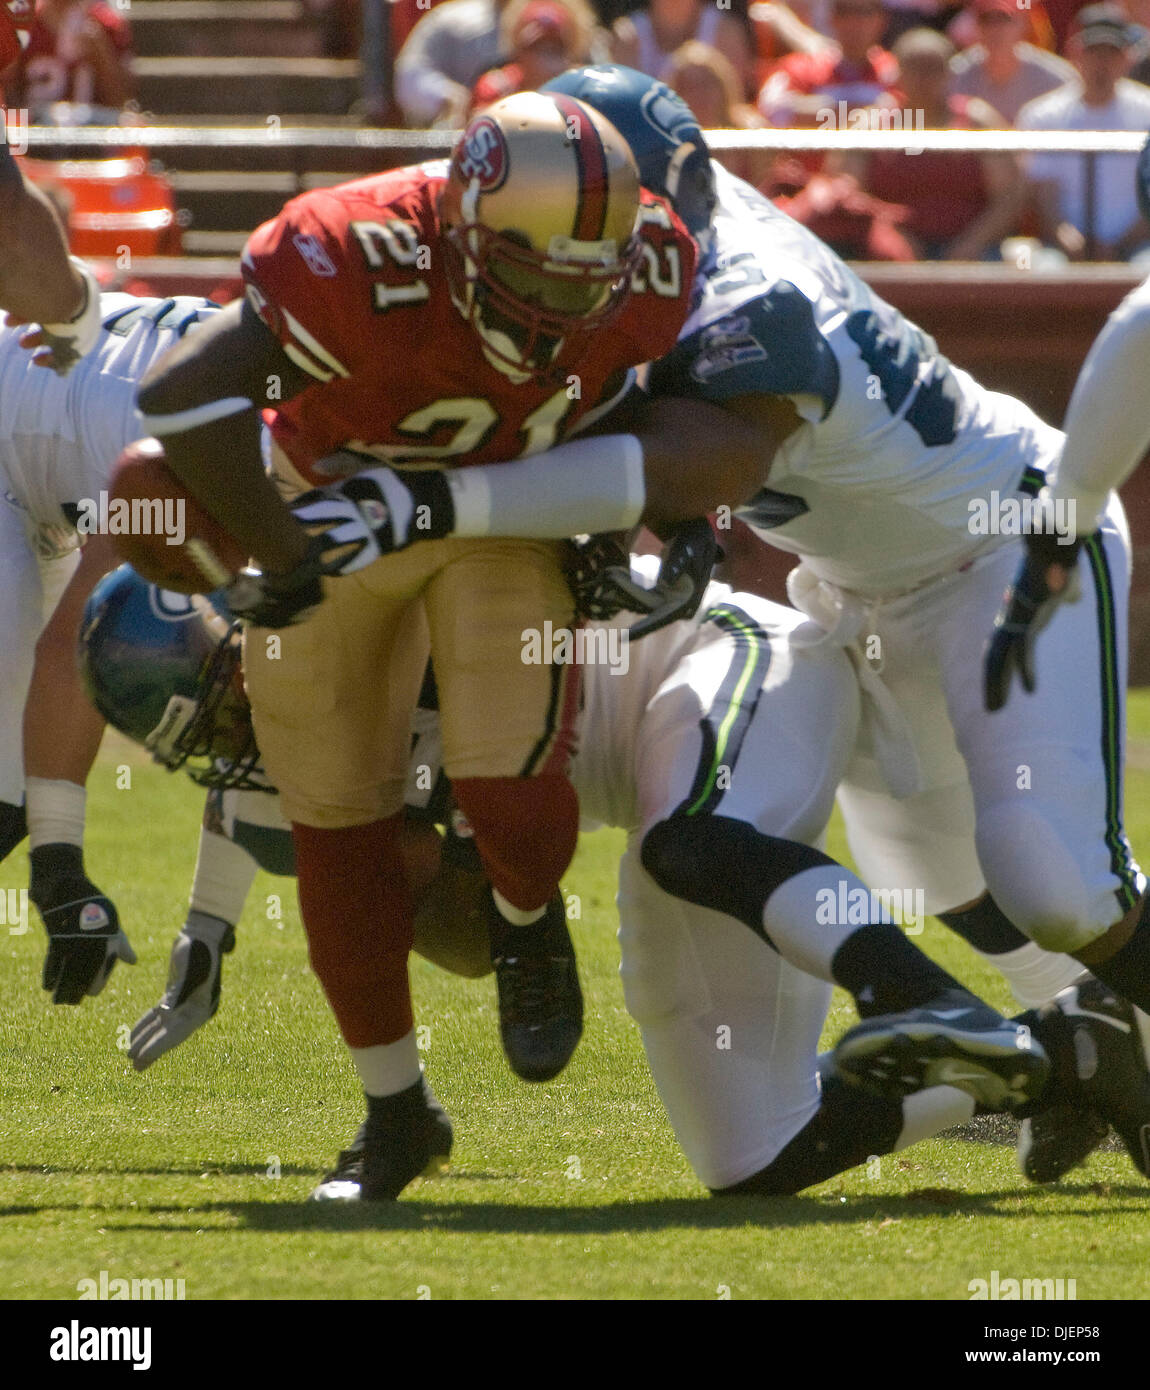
x=668, y=114
x=170, y=606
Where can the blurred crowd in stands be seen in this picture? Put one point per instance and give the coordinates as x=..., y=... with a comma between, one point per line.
x=1041, y=65
x=849, y=64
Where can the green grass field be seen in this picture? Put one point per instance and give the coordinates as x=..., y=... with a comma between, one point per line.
x=198, y=1169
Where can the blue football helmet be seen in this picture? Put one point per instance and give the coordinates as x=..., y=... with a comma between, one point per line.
x=164, y=669
x=661, y=129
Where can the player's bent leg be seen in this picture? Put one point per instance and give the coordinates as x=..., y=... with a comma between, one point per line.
x=1035, y=976
x=731, y=1031
x=1046, y=770
x=766, y=737
x=508, y=702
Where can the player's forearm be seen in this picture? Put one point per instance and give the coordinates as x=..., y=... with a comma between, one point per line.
x=37, y=280
x=62, y=731
x=1108, y=421
x=220, y=465
x=202, y=399
x=685, y=458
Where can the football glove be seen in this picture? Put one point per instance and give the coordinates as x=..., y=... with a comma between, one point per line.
x=684, y=573
x=598, y=571
x=278, y=600
x=84, y=936
x=376, y=512
x=1027, y=606
x=193, y=993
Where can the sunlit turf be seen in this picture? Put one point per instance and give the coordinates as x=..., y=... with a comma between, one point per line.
x=198, y=1169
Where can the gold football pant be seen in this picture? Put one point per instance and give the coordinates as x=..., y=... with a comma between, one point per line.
x=332, y=698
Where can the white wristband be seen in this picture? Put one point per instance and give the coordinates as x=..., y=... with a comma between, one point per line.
x=585, y=486
x=55, y=812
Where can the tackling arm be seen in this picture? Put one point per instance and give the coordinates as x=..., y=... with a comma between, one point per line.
x=682, y=459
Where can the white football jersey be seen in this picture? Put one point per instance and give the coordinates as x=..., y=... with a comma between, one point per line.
x=617, y=693
x=60, y=436
x=874, y=489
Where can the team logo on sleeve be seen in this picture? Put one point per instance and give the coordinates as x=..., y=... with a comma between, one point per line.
x=726, y=344
x=315, y=257
x=482, y=155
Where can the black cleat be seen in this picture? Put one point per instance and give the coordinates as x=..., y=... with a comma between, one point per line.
x=406, y=1138
x=955, y=1040
x=1058, y=1139
x=1110, y=1062
x=540, y=1002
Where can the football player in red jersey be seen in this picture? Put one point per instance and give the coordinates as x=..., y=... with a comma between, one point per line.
x=438, y=316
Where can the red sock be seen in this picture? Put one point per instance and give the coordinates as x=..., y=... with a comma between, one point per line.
x=525, y=830
x=356, y=909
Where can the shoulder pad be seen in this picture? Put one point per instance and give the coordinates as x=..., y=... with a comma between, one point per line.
x=769, y=345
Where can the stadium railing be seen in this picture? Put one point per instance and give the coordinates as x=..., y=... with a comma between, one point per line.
x=388, y=147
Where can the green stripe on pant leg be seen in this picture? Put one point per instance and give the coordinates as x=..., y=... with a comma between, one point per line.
x=1121, y=863
x=726, y=723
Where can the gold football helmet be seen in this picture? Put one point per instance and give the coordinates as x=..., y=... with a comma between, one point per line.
x=539, y=216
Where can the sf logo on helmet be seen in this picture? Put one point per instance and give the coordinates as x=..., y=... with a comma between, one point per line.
x=483, y=155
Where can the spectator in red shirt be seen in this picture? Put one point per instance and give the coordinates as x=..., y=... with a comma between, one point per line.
x=78, y=51
x=544, y=38
x=961, y=205
x=857, y=71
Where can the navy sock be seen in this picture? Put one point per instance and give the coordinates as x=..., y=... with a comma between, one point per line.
x=986, y=927
x=886, y=973
x=849, y=1127
x=1127, y=972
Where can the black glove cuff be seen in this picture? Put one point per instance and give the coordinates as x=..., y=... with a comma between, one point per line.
x=1048, y=548
x=434, y=505
x=55, y=870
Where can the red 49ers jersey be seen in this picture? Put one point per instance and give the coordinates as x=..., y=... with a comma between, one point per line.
x=352, y=283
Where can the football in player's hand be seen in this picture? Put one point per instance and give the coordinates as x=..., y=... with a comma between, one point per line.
x=160, y=528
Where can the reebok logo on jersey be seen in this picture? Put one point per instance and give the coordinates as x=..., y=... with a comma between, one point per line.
x=315, y=257
x=93, y=917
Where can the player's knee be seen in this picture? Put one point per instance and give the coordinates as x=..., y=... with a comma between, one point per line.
x=13, y=827
x=526, y=829
x=1035, y=876
x=722, y=863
